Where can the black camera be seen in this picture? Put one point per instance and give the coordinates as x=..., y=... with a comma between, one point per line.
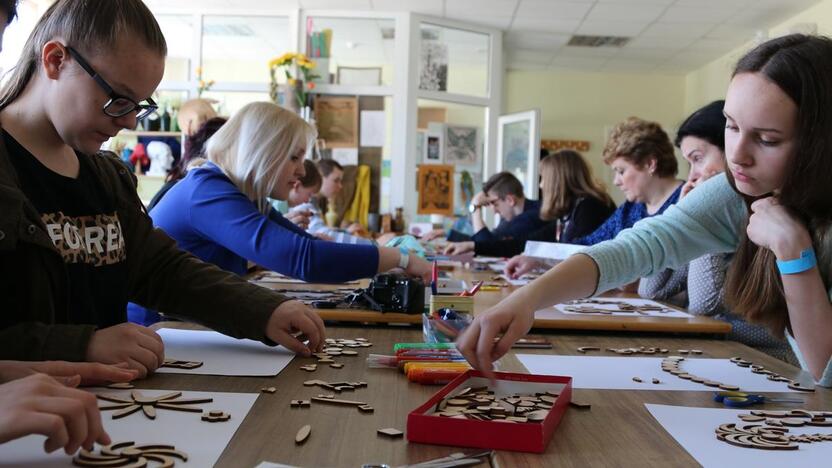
x=390, y=292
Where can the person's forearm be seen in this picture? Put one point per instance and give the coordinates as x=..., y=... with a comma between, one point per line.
x=811, y=318
x=477, y=220
x=574, y=278
x=388, y=258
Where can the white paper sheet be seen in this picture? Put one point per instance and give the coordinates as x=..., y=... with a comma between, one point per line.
x=666, y=311
x=551, y=250
x=616, y=373
x=204, y=442
x=694, y=429
x=222, y=355
x=373, y=128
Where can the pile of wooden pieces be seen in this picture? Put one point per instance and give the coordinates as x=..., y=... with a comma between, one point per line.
x=773, y=432
x=595, y=306
x=481, y=404
x=334, y=348
x=639, y=350
x=671, y=364
x=770, y=375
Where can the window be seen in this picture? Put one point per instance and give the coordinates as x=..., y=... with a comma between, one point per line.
x=238, y=48
x=362, y=49
x=453, y=60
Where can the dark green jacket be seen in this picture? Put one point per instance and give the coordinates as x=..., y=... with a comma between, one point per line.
x=33, y=277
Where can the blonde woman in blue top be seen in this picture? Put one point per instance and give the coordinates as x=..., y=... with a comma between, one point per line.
x=772, y=207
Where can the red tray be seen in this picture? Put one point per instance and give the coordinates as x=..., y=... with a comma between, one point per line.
x=424, y=427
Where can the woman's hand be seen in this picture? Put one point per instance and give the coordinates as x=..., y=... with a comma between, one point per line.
x=479, y=342
x=300, y=218
x=459, y=248
x=38, y=404
x=693, y=183
x=434, y=234
x=773, y=227
x=140, y=347
x=519, y=265
x=420, y=268
x=292, y=317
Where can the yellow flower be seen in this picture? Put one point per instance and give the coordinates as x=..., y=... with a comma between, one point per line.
x=201, y=84
x=199, y=71
x=292, y=81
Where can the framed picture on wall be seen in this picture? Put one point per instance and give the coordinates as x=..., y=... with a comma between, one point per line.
x=434, y=148
x=518, y=148
x=337, y=119
x=462, y=145
x=436, y=191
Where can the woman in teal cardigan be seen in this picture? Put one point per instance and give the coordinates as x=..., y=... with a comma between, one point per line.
x=772, y=207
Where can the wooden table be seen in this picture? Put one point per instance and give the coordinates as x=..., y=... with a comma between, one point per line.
x=617, y=430
x=485, y=299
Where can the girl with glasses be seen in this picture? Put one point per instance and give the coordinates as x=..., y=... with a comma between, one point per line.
x=75, y=244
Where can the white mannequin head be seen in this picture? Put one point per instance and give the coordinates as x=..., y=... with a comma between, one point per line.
x=161, y=158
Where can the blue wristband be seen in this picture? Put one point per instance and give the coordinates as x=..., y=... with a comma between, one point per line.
x=807, y=261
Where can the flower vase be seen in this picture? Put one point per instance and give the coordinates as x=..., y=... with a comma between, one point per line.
x=289, y=96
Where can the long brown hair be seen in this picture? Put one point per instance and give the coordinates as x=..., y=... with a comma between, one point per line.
x=801, y=66
x=91, y=26
x=566, y=178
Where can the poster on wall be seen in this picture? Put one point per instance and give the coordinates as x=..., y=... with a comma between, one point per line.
x=462, y=145
x=337, y=120
x=433, y=66
x=436, y=191
x=518, y=147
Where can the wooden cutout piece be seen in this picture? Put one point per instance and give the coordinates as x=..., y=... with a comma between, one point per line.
x=336, y=365
x=390, y=432
x=578, y=405
x=179, y=364
x=121, y=386
x=127, y=454
x=794, y=385
x=303, y=434
x=268, y=389
x=215, y=416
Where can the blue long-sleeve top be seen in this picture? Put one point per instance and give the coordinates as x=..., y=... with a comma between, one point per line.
x=209, y=217
x=520, y=226
x=624, y=217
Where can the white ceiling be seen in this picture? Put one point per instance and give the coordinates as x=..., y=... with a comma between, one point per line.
x=668, y=36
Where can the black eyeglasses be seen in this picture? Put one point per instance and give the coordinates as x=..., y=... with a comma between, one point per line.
x=118, y=105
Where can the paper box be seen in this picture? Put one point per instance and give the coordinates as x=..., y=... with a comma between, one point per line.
x=424, y=427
